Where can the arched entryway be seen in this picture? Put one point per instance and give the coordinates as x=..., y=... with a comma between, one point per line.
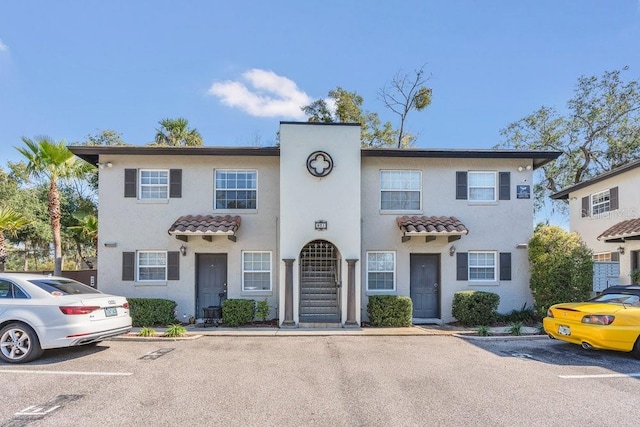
x=320, y=283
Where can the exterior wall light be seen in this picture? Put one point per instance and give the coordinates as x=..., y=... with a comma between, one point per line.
x=452, y=250
x=621, y=250
x=105, y=165
x=523, y=168
x=183, y=250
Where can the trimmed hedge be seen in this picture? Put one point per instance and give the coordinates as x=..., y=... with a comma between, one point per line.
x=475, y=308
x=237, y=312
x=152, y=311
x=390, y=310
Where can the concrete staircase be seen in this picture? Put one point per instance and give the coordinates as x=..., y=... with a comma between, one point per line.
x=319, y=304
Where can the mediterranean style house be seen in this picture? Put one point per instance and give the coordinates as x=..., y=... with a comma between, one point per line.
x=605, y=211
x=315, y=226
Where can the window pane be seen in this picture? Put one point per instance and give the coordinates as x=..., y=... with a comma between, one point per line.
x=400, y=190
x=236, y=189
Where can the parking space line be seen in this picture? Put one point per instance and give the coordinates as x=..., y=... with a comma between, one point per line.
x=86, y=373
x=573, y=377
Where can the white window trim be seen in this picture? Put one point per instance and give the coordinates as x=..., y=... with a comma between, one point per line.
x=593, y=205
x=380, y=190
x=598, y=255
x=395, y=262
x=270, y=271
x=141, y=185
x=215, y=190
x=166, y=267
x=495, y=187
x=495, y=267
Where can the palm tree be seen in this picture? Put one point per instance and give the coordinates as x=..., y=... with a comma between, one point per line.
x=175, y=133
x=52, y=161
x=10, y=221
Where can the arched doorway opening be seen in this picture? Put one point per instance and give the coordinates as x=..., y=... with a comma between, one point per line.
x=320, y=283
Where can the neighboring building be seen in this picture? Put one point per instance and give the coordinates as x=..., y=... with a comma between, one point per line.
x=605, y=211
x=315, y=226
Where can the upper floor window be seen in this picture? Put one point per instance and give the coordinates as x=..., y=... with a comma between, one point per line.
x=400, y=190
x=154, y=184
x=600, y=202
x=381, y=271
x=482, y=186
x=152, y=265
x=482, y=266
x=256, y=271
x=236, y=189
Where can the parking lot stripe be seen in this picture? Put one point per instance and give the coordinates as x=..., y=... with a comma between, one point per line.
x=104, y=374
x=572, y=377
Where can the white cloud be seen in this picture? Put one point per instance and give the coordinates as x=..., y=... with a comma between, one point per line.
x=3, y=47
x=265, y=94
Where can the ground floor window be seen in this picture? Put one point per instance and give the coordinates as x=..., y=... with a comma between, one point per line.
x=482, y=266
x=152, y=265
x=381, y=271
x=256, y=271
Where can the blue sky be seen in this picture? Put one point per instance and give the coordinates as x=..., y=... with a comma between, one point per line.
x=234, y=69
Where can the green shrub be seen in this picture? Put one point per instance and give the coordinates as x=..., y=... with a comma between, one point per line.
x=237, y=312
x=390, y=310
x=483, y=331
x=175, y=330
x=635, y=276
x=146, y=332
x=474, y=308
x=515, y=328
x=526, y=315
x=262, y=310
x=152, y=311
x=561, y=267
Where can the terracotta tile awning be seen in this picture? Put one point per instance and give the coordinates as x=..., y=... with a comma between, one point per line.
x=206, y=226
x=431, y=227
x=624, y=230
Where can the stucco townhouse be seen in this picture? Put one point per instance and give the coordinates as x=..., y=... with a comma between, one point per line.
x=315, y=226
x=605, y=211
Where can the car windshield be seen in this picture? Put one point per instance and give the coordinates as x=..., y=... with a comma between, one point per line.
x=64, y=287
x=633, y=300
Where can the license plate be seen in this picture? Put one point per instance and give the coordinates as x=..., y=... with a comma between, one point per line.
x=110, y=311
x=564, y=330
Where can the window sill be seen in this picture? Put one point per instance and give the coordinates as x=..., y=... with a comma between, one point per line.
x=144, y=284
x=152, y=201
x=381, y=292
x=400, y=212
x=235, y=211
x=488, y=283
x=480, y=203
x=256, y=293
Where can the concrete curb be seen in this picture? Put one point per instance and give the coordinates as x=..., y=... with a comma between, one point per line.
x=129, y=337
x=473, y=337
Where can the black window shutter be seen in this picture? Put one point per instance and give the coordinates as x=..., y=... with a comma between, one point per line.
x=505, y=185
x=505, y=265
x=462, y=266
x=615, y=256
x=461, y=186
x=173, y=265
x=175, y=183
x=585, y=207
x=128, y=266
x=613, y=198
x=130, y=182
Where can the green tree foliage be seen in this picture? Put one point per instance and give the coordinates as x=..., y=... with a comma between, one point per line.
x=406, y=92
x=600, y=131
x=107, y=137
x=10, y=222
x=52, y=162
x=176, y=133
x=561, y=267
x=343, y=106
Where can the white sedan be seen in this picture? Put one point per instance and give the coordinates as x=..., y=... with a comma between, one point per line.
x=41, y=312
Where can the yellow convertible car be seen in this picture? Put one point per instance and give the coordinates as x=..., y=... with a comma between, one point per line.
x=610, y=321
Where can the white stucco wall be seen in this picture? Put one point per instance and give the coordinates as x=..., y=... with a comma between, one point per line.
x=138, y=225
x=497, y=226
x=592, y=226
x=305, y=199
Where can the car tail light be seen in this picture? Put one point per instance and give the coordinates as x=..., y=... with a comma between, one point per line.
x=125, y=305
x=549, y=313
x=78, y=309
x=598, y=319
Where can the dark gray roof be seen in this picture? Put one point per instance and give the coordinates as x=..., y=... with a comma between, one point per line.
x=564, y=194
x=91, y=153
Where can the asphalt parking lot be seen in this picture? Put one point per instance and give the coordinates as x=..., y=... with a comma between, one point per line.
x=328, y=380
